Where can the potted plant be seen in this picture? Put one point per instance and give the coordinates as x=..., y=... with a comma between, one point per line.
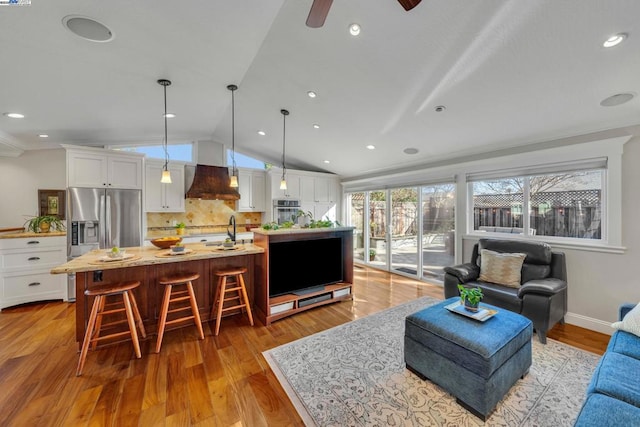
x=180, y=228
x=372, y=254
x=471, y=297
x=44, y=224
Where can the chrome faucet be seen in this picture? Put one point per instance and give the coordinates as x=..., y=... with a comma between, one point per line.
x=232, y=234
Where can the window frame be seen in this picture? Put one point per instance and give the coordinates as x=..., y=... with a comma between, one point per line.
x=545, y=170
x=610, y=148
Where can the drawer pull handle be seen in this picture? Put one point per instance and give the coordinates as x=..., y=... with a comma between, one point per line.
x=34, y=284
x=34, y=258
x=32, y=242
x=203, y=240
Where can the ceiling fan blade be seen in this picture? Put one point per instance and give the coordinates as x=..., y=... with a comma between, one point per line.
x=409, y=4
x=318, y=13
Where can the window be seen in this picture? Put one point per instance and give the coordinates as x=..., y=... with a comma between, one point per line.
x=559, y=204
x=182, y=152
x=243, y=161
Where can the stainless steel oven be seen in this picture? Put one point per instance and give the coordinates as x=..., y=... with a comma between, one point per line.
x=285, y=210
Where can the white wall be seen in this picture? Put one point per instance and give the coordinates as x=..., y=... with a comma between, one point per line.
x=211, y=153
x=21, y=178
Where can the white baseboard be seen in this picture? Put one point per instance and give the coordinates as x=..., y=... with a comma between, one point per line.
x=589, y=323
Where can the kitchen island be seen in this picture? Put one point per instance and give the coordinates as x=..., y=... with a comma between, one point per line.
x=303, y=268
x=147, y=264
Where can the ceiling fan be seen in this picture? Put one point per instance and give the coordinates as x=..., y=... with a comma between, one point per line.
x=320, y=9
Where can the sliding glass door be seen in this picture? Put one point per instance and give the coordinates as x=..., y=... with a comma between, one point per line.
x=356, y=218
x=378, y=228
x=438, y=229
x=409, y=230
x=405, y=220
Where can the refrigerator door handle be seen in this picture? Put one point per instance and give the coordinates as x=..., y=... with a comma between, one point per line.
x=108, y=223
x=102, y=223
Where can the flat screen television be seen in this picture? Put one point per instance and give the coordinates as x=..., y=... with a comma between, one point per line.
x=301, y=266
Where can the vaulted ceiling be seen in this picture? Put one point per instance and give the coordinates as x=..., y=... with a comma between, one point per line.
x=509, y=73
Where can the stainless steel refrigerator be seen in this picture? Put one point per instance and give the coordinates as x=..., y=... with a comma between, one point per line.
x=99, y=218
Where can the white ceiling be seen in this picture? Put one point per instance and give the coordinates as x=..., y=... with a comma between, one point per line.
x=510, y=73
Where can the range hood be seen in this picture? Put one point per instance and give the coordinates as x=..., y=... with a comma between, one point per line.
x=210, y=183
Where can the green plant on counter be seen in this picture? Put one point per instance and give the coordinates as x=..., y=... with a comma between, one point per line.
x=180, y=225
x=270, y=226
x=323, y=223
x=44, y=223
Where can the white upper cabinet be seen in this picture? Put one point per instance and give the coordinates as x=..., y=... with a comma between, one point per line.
x=293, y=187
x=317, y=189
x=159, y=197
x=252, y=189
x=93, y=167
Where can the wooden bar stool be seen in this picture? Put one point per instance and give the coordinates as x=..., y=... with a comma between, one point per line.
x=231, y=277
x=100, y=309
x=175, y=296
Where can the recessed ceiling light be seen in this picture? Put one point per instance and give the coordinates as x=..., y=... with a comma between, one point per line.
x=43, y=135
x=14, y=115
x=311, y=94
x=440, y=108
x=410, y=151
x=316, y=126
x=169, y=115
x=87, y=28
x=617, y=99
x=327, y=161
x=354, y=29
x=614, y=40
x=261, y=133
x=371, y=147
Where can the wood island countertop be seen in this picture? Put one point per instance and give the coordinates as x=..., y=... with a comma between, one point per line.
x=150, y=255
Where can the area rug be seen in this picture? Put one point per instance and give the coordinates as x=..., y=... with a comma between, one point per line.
x=354, y=375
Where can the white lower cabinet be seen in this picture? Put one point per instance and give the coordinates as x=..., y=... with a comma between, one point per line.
x=24, y=270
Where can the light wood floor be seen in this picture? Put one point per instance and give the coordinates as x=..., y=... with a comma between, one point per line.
x=221, y=381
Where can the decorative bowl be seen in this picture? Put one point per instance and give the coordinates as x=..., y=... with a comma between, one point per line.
x=177, y=248
x=116, y=255
x=166, y=242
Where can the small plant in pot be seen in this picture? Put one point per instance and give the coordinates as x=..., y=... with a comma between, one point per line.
x=44, y=224
x=180, y=228
x=471, y=297
x=372, y=254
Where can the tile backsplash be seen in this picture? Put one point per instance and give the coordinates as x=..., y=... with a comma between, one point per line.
x=202, y=216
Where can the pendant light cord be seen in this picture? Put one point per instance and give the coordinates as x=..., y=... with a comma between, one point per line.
x=285, y=113
x=233, y=129
x=166, y=148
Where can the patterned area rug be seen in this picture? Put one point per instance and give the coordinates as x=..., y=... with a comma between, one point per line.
x=354, y=375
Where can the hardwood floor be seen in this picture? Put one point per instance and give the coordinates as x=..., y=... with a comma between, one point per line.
x=218, y=381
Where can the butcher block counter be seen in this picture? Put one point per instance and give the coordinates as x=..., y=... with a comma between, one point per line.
x=147, y=264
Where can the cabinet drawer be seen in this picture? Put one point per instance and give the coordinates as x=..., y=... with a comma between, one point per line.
x=36, y=259
x=28, y=285
x=33, y=242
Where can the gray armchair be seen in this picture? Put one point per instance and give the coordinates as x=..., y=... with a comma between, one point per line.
x=542, y=296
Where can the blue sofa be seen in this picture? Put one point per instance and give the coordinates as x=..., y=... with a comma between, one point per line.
x=613, y=396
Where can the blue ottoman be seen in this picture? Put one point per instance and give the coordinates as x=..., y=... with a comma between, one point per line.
x=477, y=362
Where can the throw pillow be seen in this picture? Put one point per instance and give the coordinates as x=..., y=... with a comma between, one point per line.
x=501, y=268
x=630, y=322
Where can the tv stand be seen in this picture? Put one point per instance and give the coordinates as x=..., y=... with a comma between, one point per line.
x=269, y=309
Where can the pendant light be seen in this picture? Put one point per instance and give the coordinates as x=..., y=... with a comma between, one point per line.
x=233, y=182
x=166, y=175
x=283, y=181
